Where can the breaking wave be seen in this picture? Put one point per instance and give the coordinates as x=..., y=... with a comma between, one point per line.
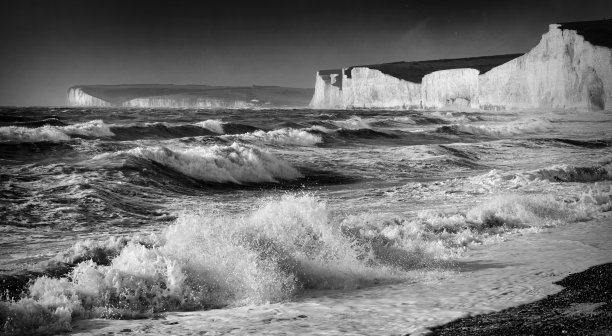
x=205, y=261
x=353, y=123
x=269, y=254
x=509, y=129
x=215, y=125
x=283, y=136
x=220, y=164
x=94, y=128
x=556, y=173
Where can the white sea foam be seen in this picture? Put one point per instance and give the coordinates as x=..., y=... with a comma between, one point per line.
x=235, y=163
x=352, y=123
x=206, y=260
x=283, y=136
x=267, y=255
x=508, y=129
x=555, y=173
x=93, y=128
x=213, y=125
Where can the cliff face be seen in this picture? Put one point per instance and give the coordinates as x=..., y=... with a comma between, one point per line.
x=187, y=96
x=77, y=97
x=565, y=70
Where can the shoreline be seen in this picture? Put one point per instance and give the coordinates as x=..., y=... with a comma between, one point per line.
x=582, y=307
x=490, y=278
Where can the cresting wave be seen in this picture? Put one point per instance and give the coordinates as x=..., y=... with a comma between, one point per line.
x=556, y=173
x=509, y=129
x=283, y=136
x=93, y=128
x=235, y=163
x=213, y=125
x=266, y=255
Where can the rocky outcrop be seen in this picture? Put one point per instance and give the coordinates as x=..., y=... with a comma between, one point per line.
x=187, y=96
x=571, y=68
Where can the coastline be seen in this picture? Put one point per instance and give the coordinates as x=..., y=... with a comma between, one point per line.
x=490, y=278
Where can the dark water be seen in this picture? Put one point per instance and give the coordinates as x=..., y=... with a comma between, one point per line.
x=137, y=211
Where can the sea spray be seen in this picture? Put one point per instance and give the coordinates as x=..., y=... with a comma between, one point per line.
x=269, y=254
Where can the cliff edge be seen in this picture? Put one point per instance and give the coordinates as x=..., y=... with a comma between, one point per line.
x=571, y=68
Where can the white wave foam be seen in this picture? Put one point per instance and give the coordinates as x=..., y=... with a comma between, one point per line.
x=213, y=125
x=508, y=129
x=93, y=128
x=283, y=136
x=405, y=120
x=204, y=260
x=353, y=123
x=454, y=117
x=235, y=163
x=556, y=173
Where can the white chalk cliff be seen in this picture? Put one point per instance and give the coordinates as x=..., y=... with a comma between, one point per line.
x=566, y=70
x=187, y=96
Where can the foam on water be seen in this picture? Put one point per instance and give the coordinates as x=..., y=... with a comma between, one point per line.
x=213, y=125
x=352, y=123
x=222, y=164
x=266, y=255
x=503, y=130
x=555, y=173
x=283, y=136
x=93, y=128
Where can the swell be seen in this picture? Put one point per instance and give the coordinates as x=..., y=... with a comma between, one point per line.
x=162, y=130
x=49, y=133
x=558, y=173
x=590, y=144
x=498, y=131
x=235, y=163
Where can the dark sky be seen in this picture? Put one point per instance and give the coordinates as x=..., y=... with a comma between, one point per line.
x=48, y=46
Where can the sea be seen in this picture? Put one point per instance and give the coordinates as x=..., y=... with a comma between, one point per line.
x=119, y=213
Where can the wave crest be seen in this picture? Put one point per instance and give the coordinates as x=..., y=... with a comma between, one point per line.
x=510, y=129
x=93, y=128
x=283, y=136
x=213, y=125
x=221, y=164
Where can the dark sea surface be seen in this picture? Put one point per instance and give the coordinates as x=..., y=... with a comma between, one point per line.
x=123, y=213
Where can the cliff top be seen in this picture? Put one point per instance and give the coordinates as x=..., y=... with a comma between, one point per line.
x=596, y=32
x=415, y=71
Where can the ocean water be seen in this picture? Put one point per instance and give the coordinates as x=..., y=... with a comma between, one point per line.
x=129, y=213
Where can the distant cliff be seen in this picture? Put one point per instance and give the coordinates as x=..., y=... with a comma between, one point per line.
x=187, y=96
x=571, y=68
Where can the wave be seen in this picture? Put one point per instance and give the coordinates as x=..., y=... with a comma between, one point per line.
x=283, y=136
x=219, y=164
x=269, y=254
x=202, y=261
x=352, y=123
x=556, y=173
x=591, y=144
x=509, y=129
x=94, y=128
x=215, y=125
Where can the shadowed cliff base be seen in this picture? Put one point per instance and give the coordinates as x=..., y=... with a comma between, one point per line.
x=583, y=307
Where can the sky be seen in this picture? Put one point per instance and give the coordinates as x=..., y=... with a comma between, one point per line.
x=48, y=46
